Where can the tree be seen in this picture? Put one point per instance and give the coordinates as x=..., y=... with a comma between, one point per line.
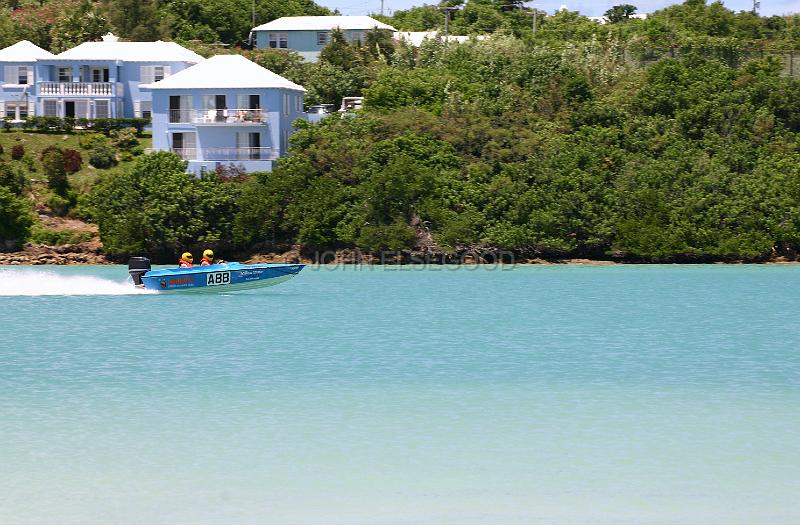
x=339, y=52
x=620, y=13
x=54, y=170
x=16, y=219
x=137, y=20
x=84, y=23
x=157, y=208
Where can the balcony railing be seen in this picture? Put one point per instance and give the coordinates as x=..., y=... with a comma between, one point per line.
x=217, y=116
x=226, y=154
x=105, y=89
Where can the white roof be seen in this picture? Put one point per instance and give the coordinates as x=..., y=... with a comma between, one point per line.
x=416, y=38
x=225, y=71
x=131, y=52
x=323, y=23
x=24, y=51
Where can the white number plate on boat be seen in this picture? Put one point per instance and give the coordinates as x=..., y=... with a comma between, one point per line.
x=217, y=278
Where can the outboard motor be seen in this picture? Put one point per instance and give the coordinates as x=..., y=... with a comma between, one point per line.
x=138, y=266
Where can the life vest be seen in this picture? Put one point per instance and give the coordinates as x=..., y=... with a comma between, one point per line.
x=184, y=264
x=206, y=262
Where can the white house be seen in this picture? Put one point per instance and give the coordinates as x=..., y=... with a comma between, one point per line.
x=18, y=79
x=103, y=79
x=309, y=34
x=90, y=81
x=225, y=110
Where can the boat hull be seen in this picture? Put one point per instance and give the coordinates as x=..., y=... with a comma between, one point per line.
x=219, y=278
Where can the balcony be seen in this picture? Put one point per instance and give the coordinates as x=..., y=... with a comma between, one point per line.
x=226, y=154
x=83, y=89
x=218, y=117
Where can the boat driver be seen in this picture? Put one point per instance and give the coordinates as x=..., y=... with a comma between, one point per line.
x=208, y=258
x=186, y=260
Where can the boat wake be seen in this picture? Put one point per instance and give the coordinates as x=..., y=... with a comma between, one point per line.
x=38, y=282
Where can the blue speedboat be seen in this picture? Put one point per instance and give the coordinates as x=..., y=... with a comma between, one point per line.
x=222, y=277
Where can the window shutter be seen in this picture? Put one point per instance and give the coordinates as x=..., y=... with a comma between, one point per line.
x=82, y=109
x=31, y=108
x=10, y=74
x=2, y=109
x=146, y=74
x=30, y=75
x=137, y=109
x=242, y=140
x=167, y=71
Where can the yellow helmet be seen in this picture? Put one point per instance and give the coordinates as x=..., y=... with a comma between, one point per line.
x=187, y=256
x=208, y=254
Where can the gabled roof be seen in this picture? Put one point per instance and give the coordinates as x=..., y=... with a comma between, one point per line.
x=323, y=23
x=131, y=52
x=24, y=51
x=224, y=72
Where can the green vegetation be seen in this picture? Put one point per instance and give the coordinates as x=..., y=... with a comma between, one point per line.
x=46, y=171
x=157, y=208
x=671, y=138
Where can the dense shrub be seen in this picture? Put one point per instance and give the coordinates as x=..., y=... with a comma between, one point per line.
x=181, y=210
x=53, y=165
x=17, y=151
x=125, y=138
x=16, y=219
x=50, y=237
x=68, y=124
x=72, y=160
x=88, y=141
x=102, y=157
x=13, y=178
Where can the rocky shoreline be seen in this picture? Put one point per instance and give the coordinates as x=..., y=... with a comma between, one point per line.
x=91, y=253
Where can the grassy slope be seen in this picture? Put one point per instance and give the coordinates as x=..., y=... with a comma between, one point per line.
x=82, y=181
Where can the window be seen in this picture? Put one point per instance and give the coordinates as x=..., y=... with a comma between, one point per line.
x=180, y=108
x=146, y=109
x=323, y=37
x=102, y=109
x=158, y=73
x=298, y=103
x=23, y=74
x=185, y=145
x=278, y=40
x=357, y=36
x=248, y=101
x=16, y=111
x=215, y=108
x=50, y=108
x=150, y=74
x=99, y=74
x=65, y=74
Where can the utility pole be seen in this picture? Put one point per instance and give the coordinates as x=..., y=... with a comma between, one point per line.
x=534, y=13
x=756, y=5
x=447, y=11
x=381, y=7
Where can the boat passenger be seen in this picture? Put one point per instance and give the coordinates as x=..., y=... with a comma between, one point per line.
x=186, y=260
x=208, y=258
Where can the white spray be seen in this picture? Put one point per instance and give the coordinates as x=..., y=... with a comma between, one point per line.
x=42, y=282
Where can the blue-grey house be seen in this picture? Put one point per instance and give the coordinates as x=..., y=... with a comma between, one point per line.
x=309, y=34
x=226, y=110
x=104, y=79
x=18, y=79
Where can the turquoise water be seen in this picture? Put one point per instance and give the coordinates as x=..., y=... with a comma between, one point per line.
x=544, y=394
